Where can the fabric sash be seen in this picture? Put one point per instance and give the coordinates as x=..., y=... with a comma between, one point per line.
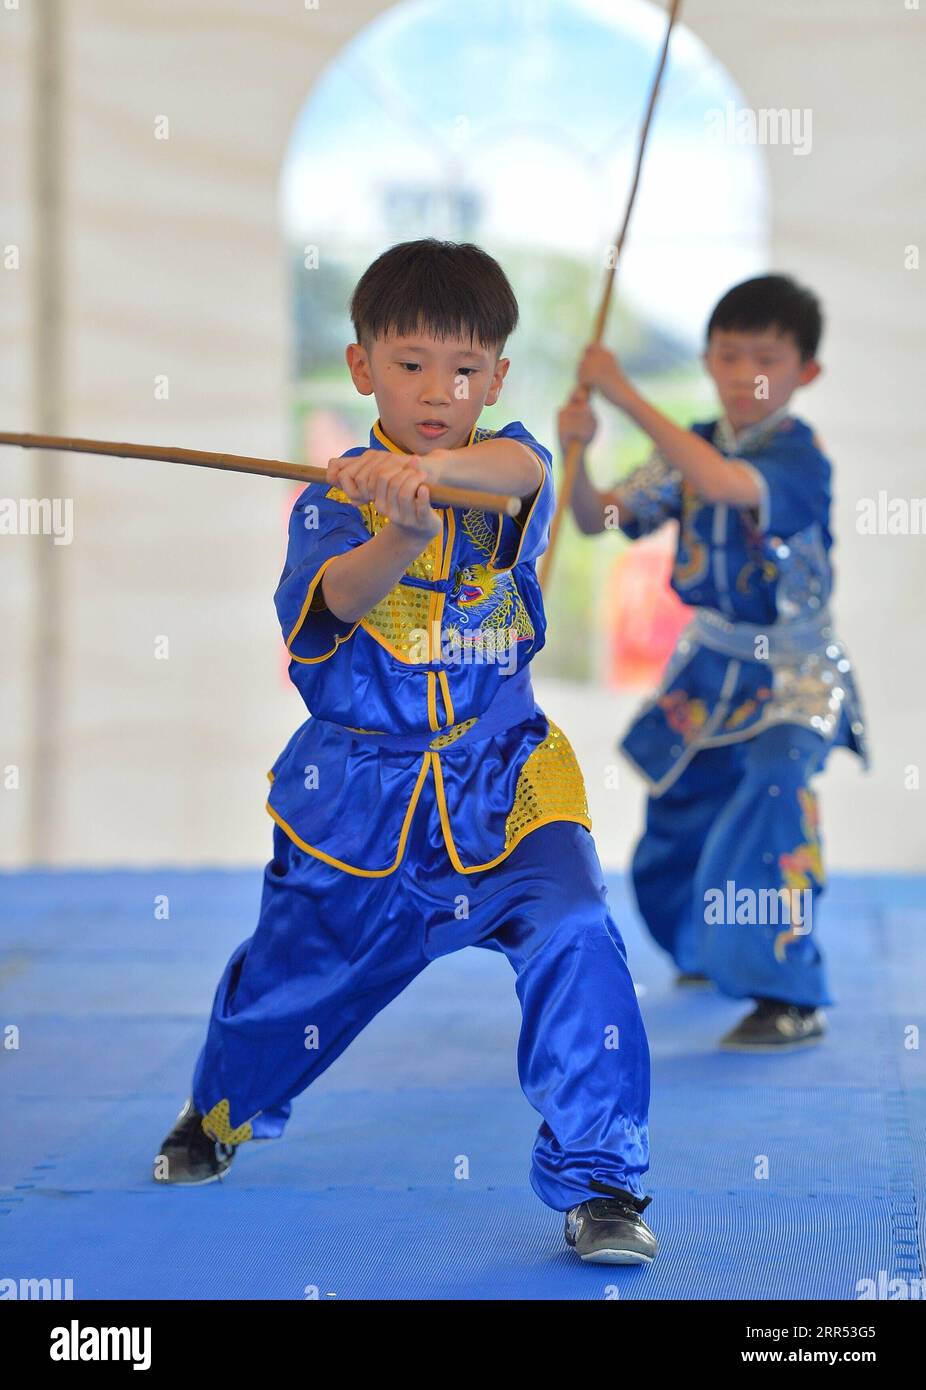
x=787, y=642
x=513, y=704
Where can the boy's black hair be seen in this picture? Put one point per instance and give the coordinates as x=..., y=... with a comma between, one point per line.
x=772, y=301
x=443, y=288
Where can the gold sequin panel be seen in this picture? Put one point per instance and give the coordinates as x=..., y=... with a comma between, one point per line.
x=550, y=784
x=452, y=734
x=403, y=610
x=396, y=617
x=217, y=1125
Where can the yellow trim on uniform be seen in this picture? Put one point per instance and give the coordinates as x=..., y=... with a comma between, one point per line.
x=432, y=596
x=383, y=438
x=351, y=868
x=445, y=695
x=444, y=567
x=448, y=834
x=433, y=721
x=377, y=636
x=437, y=616
x=431, y=760
x=443, y=572
x=217, y=1125
x=438, y=570
x=338, y=640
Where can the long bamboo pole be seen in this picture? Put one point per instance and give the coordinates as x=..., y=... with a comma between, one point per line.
x=574, y=452
x=441, y=495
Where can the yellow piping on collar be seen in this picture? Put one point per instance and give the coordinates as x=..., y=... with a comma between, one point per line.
x=384, y=439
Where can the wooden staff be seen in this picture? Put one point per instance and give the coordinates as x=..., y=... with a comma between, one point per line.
x=574, y=451
x=441, y=495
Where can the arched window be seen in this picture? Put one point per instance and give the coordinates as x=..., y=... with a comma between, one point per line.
x=514, y=123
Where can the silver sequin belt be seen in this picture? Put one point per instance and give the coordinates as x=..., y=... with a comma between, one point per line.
x=785, y=641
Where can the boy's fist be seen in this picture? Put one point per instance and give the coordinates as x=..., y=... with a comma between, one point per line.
x=576, y=420
x=599, y=369
x=396, y=484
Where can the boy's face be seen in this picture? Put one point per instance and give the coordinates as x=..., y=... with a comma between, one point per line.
x=756, y=372
x=429, y=391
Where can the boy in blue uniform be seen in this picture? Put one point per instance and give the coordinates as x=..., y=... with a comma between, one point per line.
x=759, y=689
x=428, y=803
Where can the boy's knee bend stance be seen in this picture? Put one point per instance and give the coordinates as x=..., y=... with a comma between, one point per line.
x=583, y=1058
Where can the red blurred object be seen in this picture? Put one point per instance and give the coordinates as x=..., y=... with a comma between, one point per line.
x=644, y=615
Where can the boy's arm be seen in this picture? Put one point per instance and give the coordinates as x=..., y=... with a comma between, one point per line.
x=356, y=580
x=499, y=465
x=492, y=465
x=590, y=505
x=713, y=477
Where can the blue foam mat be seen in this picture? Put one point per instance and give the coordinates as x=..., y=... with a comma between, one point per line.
x=359, y=1199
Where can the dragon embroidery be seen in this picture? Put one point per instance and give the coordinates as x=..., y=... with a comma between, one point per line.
x=758, y=561
x=683, y=714
x=800, y=866
x=486, y=598
x=747, y=709
x=691, y=562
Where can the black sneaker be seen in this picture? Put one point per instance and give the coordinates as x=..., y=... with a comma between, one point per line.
x=188, y=1156
x=693, y=979
x=774, y=1026
x=610, y=1230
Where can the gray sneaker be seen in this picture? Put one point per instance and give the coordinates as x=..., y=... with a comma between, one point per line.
x=188, y=1156
x=774, y=1026
x=611, y=1230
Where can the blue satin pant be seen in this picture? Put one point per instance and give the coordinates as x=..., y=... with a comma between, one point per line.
x=331, y=949
x=740, y=817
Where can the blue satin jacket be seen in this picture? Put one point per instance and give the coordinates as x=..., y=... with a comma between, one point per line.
x=761, y=648
x=433, y=682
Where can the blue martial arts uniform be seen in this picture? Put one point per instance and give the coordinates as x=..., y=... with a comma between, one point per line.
x=428, y=804
x=756, y=693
